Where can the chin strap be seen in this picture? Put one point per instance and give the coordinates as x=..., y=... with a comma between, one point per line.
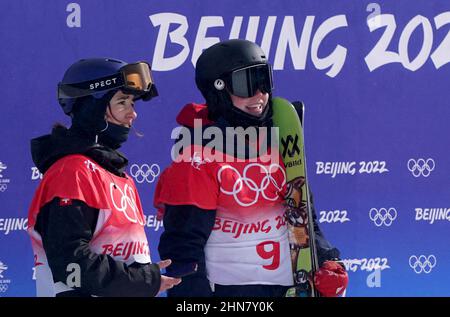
x=103, y=130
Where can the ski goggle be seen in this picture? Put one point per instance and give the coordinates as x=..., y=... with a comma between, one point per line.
x=245, y=82
x=135, y=79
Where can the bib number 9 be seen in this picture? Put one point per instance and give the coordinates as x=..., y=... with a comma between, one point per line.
x=269, y=250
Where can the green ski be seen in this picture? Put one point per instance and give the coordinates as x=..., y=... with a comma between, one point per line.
x=289, y=118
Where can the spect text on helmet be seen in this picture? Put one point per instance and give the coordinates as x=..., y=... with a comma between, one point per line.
x=103, y=83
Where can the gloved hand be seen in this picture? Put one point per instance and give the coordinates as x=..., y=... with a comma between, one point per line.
x=331, y=279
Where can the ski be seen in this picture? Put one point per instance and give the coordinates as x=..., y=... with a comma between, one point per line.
x=288, y=117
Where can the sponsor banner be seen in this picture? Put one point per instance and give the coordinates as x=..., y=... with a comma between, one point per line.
x=374, y=78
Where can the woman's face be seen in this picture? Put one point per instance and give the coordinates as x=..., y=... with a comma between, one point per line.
x=253, y=105
x=121, y=109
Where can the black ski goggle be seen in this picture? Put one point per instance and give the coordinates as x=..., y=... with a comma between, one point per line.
x=245, y=82
x=135, y=79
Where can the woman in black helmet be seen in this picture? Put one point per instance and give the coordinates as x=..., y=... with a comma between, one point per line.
x=86, y=221
x=226, y=218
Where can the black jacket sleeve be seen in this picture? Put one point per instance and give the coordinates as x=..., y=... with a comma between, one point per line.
x=186, y=231
x=325, y=251
x=66, y=232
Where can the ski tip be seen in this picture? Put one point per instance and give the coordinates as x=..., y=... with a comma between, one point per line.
x=300, y=108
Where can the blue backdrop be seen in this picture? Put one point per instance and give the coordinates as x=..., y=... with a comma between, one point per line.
x=374, y=77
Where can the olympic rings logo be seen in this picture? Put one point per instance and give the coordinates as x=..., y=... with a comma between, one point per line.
x=422, y=263
x=421, y=167
x=3, y=187
x=128, y=199
x=383, y=216
x=251, y=184
x=3, y=287
x=144, y=172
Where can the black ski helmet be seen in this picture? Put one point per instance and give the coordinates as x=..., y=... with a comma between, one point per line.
x=97, y=76
x=213, y=73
